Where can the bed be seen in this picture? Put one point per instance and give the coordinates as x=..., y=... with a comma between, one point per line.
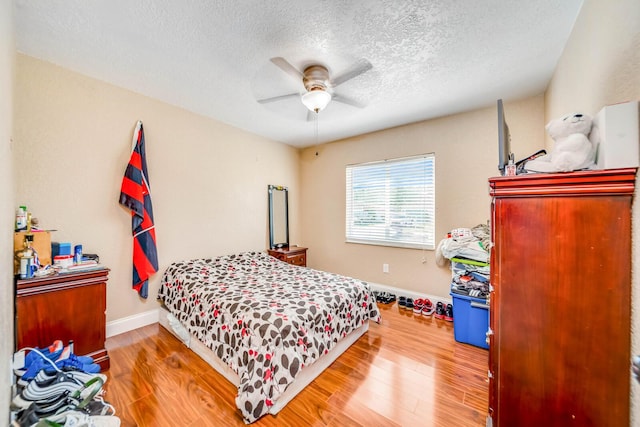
x=267, y=326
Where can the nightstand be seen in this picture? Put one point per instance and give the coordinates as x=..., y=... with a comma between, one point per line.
x=69, y=306
x=295, y=255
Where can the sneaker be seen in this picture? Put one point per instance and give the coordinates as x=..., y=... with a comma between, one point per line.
x=63, y=383
x=376, y=295
x=52, y=352
x=28, y=417
x=99, y=407
x=67, y=354
x=42, y=409
x=43, y=378
x=439, y=311
x=417, y=306
x=87, y=401
x=402, y=302
x=81, y=419
x=448, y=313
x=48, y=405
x=409, y=305
x=427, y=308
x=71, y=363
x=37, y=366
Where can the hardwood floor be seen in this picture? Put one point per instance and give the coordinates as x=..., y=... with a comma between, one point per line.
x=406, y=371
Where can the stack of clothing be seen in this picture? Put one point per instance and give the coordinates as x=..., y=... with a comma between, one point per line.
x=470, y=277
x=58, y=388
x=468, y=250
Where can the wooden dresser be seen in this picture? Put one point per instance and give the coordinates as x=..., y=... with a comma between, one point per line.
x=295, y=255
x=560, y=302
x=68, y=306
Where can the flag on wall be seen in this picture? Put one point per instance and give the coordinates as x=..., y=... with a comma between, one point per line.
x=134, y=194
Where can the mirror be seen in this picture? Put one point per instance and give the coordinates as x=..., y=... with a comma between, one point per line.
x=278, y=217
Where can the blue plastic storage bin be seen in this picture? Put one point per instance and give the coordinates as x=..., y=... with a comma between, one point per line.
x=470, y=320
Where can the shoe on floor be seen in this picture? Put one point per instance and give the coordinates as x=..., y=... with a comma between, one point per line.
x=63, y=385
x=439, y=311
x=409, y=305
x=427, y=308
x=67, y=354
x=71, y=363
x=52, y=352
x=66, y=417
x=448, y=313
x=402, y=302
x=381, y=296
x=43, y=378
x=417, y=306
x=81, y=419
x=386, y=297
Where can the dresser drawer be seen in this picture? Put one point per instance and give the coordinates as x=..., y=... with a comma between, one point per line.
x=299, y=259
x=294, y=255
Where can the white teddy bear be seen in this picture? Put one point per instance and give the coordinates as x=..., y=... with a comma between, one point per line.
x=572, y=150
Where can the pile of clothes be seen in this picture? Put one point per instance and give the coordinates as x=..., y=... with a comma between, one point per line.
x=468, y=251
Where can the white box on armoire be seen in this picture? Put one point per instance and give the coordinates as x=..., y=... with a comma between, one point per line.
x=616, y=135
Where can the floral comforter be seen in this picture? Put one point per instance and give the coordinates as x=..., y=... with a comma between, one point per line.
x=265, y=318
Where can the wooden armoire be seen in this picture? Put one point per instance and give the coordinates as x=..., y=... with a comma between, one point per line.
x=560, y=303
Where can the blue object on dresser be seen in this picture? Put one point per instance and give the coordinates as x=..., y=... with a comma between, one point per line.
x=58, y=248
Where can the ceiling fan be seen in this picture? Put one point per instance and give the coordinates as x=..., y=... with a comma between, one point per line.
x=318, y=84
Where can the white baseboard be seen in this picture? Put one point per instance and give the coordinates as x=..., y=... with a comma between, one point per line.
x=129, y=323
x=411, y=294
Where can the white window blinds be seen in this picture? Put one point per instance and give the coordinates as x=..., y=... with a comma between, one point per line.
x=392, y=202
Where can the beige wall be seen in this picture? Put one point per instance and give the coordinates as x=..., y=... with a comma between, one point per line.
x=7, y=212
x=601, y=66
x=466, y=150
x=72, y=142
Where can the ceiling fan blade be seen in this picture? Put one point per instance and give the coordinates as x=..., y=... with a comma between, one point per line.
x=285, y=66
x=360, y=67
x=348, y=101
x=278, y=98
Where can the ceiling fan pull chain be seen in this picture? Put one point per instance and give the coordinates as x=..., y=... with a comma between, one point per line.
x=317, y=119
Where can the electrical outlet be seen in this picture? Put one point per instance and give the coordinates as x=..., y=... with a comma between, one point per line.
x=385, y=268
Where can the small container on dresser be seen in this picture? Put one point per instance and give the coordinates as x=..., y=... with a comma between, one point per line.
x=295, y=255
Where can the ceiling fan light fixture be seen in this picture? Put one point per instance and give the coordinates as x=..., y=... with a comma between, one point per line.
x=316, y=100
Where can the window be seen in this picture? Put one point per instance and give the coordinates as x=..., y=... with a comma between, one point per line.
x=392, y=202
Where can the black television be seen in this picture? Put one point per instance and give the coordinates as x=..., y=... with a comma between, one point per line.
x=504, y=140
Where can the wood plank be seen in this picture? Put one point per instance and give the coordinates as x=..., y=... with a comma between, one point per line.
x=408, y=370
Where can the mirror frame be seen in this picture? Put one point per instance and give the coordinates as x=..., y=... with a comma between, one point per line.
x=283, y=211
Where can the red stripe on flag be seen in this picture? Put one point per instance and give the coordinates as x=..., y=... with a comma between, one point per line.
x=136, y=160
x=131, y=189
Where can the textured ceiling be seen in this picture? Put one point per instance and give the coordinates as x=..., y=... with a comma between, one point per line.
x=212, y=57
